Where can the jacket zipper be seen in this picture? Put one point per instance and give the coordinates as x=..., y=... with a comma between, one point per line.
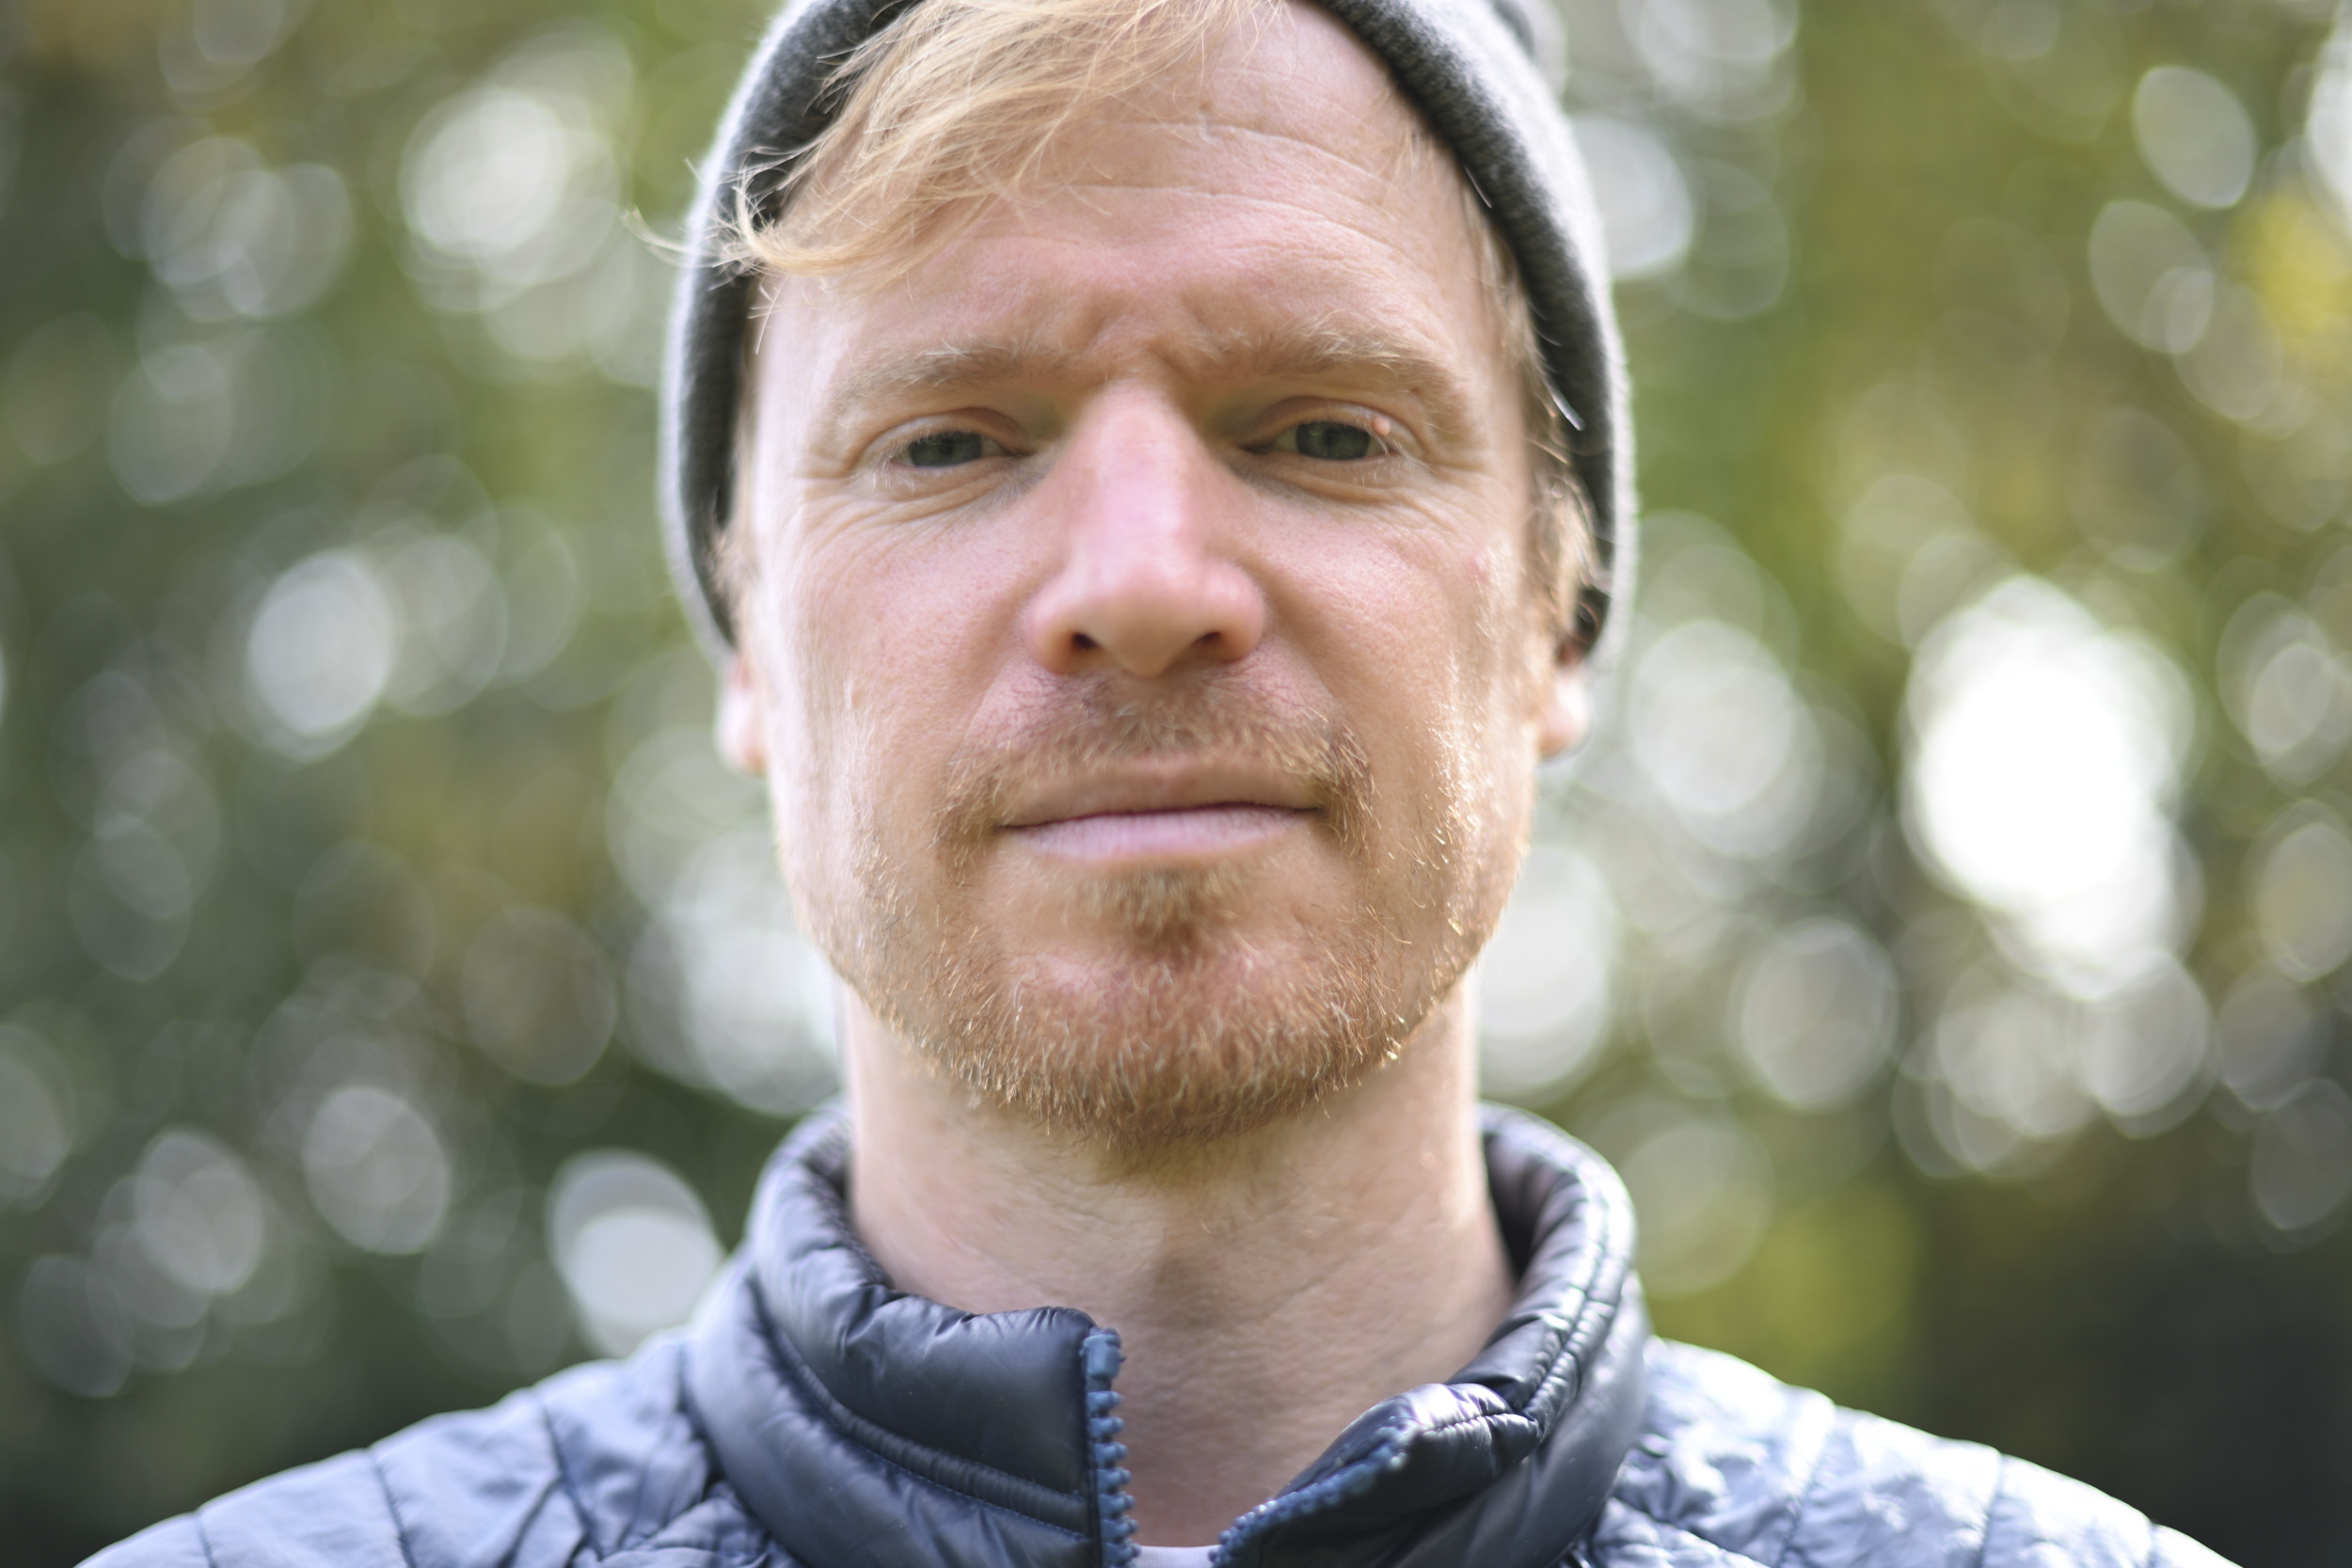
x=1107, y=1456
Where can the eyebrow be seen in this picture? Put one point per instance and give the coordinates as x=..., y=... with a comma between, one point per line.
x=1369, y=357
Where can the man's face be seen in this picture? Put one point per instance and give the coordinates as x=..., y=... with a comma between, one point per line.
x=1139, y=639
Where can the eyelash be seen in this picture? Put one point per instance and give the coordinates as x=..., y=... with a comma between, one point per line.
x=904, y=456
x=1378, y=433
x=1375, y=432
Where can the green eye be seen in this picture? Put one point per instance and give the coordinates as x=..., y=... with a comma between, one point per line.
x=1330, y=440
x=947, y=449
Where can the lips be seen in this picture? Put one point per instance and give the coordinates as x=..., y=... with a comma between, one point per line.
x=1160, y=814
x=1187, y=833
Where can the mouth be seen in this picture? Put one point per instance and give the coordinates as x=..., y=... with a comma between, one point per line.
x=1188, y=815
x=1184, y=832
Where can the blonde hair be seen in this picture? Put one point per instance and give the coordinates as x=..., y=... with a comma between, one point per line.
x=955, y=103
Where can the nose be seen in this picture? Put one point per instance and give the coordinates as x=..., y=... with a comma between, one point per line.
x=1142, y=516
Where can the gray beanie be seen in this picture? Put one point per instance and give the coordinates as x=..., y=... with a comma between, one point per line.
x=1486, y=75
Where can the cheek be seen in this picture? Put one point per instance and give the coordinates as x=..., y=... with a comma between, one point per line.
x=890, y=648
x=828, y=647
x=1412, y=635
x=1430, y=623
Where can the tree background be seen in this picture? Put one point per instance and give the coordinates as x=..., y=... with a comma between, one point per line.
x=1944, y=936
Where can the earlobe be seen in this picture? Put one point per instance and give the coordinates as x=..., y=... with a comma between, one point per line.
x=742, y=717
x=1566, y=715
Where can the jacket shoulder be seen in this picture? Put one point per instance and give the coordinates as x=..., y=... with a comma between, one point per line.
x=1734, y=1467
x=601, y=1465
x=325, y=1515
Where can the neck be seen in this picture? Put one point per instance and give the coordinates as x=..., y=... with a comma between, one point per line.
x=1268, y=1289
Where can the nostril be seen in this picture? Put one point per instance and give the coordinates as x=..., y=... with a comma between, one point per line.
x=1084, y=643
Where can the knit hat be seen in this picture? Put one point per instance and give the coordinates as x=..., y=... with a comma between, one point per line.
x=1486, y=76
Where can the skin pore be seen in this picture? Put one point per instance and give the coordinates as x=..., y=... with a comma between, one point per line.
x=1137, y=640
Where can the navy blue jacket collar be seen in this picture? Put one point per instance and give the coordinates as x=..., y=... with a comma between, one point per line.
x=867, y=1426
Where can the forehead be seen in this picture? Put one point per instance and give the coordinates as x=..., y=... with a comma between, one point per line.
x=1280, y=198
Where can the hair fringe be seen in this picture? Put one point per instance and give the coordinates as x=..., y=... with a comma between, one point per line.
x=951, y=104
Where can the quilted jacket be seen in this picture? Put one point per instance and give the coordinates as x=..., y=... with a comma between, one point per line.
x=813, y=1417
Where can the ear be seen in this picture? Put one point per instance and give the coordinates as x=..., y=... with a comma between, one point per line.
x=742, y=716
x=1566, y=715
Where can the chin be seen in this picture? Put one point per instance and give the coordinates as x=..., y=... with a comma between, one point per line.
x=1179, y=1030
x=1171, y=913
x=1177, y=1047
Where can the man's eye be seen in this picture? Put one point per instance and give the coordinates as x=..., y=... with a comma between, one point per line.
x=1330, y=440
x=947, y=449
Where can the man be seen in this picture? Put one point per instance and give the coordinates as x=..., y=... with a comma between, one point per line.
x=1153, y=471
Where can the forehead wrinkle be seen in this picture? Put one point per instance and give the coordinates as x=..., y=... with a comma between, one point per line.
x=1315, y=349
x=1114, y=157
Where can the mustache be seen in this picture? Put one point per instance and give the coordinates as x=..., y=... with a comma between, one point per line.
x=1083, y=729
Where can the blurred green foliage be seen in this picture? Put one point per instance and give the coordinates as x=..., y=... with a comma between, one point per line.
x=392, y=1007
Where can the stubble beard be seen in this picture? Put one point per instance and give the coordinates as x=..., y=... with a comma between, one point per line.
x=1199, y=1032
